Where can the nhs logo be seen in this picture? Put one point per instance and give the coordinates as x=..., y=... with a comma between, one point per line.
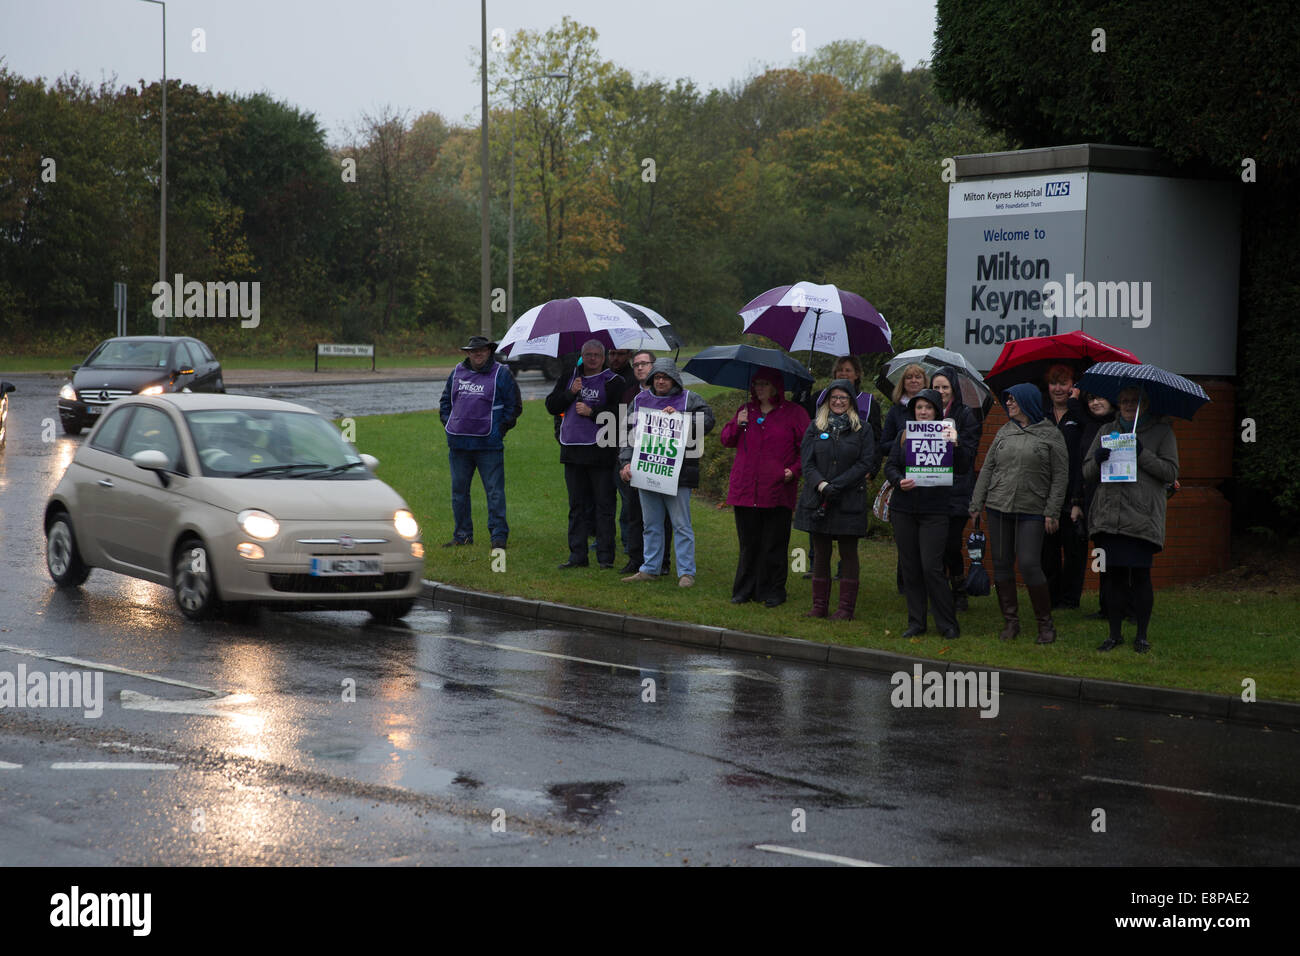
x=1057, y=189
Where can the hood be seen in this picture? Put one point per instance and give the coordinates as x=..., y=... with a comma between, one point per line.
x=130, y=379
x=668, y=367
x=843, y=383
x=304, y=499
x=950, y=374
x=1029, y=399
x=932, y=396
x=773, y=376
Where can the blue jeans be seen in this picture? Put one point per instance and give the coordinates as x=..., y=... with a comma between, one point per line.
x=654, y=507
x=491, y=465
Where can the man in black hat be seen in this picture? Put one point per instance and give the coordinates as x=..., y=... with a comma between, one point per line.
x=479, y=405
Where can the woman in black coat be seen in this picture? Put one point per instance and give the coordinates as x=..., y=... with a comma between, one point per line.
x=920, y=516
x=1063, y=551
x=969, y=426
x=1098, y=414
x=838, y=449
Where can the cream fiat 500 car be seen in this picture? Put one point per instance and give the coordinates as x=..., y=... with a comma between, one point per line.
x=233, y=501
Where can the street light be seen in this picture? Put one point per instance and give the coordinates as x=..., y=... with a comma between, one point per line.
x=162, y=214
x=510, y=244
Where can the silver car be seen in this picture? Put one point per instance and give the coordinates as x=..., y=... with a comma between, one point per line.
x=232, y=502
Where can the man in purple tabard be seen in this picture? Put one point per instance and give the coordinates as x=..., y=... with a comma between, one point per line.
x=479, y=405
x=580, y=396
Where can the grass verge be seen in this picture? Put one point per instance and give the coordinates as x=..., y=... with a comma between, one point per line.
x=1204, y=639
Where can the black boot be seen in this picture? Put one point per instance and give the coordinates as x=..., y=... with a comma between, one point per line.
x=958, y=586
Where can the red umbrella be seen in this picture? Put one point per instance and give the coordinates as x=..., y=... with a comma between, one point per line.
x=1027, y=360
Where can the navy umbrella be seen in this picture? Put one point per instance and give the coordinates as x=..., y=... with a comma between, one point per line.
x=1167, y=393
x=733, y=366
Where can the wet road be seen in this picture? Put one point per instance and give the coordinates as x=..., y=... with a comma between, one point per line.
x=474, y=740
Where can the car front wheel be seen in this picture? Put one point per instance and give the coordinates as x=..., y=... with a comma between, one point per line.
x=71, y=429
x=193, y=582
x=390, y=612
x=61, y=555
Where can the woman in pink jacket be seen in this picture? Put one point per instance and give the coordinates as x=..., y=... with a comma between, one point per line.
x=767, y=434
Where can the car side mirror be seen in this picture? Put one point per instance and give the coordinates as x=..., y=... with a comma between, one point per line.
x=183, y=370
x=371, y=462
x=153, y=460
x=7, y=387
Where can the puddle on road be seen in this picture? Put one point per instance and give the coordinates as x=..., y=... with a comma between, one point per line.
x=584, y=801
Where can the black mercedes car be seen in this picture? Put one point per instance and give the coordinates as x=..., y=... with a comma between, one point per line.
x=135, y=365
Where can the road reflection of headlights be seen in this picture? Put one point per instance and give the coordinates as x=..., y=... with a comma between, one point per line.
x=152, y=390
x=68, y=392
x=405, y=524
x=258, y=524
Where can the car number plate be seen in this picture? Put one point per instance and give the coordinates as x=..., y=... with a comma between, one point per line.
x=94, y=410
x=335, y=567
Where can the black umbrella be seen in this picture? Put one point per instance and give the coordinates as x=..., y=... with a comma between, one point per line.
x=1167, y=393
x=733, y=366
x=977, y=582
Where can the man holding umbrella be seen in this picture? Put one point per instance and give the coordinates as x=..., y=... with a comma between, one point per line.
x=480, y=403
x=588, y=463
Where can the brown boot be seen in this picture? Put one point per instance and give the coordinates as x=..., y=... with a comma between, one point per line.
x=821, y=597
x=1041, y=596
x=848, y=599
x=1010, y=609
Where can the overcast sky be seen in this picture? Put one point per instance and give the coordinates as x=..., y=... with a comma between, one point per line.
x=337, y=58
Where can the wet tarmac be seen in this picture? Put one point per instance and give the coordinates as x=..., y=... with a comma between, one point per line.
x=476, y=739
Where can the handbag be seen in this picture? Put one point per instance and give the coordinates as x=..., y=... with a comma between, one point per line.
x=977, y=581
x=880, y=507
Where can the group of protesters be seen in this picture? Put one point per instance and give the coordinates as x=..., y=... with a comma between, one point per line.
x=807, y=462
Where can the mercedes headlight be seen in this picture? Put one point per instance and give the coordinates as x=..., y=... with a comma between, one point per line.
x=68, y=393
x=152, y=390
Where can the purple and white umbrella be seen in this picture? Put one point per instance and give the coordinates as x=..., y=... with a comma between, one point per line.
x=817, y=318
x=648, y=318
x=562, y=326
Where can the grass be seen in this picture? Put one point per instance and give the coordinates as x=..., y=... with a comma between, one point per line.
x=1202, y=639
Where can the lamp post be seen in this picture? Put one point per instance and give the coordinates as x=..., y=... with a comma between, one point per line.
x=485, y=242
x=162, y=213
x=510, y=243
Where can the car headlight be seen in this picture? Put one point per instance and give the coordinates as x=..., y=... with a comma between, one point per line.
x=405, y=524
x=68, y=392
x=258, y=524
x=152, y=390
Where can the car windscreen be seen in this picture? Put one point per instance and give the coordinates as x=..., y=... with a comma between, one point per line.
x=124, y=353
x=269, y=444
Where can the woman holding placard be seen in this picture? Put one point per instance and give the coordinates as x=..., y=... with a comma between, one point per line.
x=1132, y=464
x=837, y=451
x=919, y=509
x=969, y=426
x=1023, y=484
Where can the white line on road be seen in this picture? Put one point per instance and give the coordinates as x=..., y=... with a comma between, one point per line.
x=1193, y=793
x=10, y=766
x=93, y=665
x=752, y=675
x=112, y=765
x=813, y=855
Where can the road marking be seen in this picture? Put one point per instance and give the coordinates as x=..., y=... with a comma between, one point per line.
x=10, y=766
x=752, y=675
x=93, y=665
x=111, y=765
x=813, y=855
x=134, y=700
x=1194, y=793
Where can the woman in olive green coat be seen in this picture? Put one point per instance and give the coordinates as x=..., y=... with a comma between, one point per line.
x=1023, y=483
x=1127, y=518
